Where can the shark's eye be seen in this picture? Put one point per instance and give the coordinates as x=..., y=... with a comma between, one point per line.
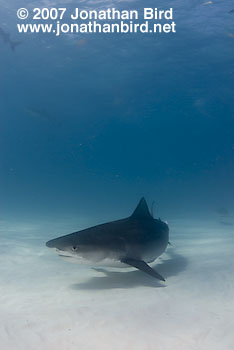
x=74, y=248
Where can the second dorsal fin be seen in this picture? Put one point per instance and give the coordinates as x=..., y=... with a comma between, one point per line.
x=142, y=210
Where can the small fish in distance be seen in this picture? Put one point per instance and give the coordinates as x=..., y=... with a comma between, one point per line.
x=7, y=40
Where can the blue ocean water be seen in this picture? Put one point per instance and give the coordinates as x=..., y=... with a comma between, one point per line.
x=90, y=123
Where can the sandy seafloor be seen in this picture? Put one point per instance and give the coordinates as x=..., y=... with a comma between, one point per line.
x=46, y=303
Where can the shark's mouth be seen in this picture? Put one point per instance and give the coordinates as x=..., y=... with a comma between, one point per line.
x=64, y=254
x=68, y=257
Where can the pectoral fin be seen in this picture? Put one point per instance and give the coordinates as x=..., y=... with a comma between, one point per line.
x=141, y=265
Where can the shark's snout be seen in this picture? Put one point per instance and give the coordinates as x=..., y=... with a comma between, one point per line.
x=60, y=244
x=51, y=244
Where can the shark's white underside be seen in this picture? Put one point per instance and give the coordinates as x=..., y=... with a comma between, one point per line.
x=95, y=260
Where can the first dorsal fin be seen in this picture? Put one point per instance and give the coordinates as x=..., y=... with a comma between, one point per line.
x=142, y=210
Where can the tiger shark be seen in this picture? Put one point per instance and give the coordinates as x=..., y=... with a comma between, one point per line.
x=131, y=242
